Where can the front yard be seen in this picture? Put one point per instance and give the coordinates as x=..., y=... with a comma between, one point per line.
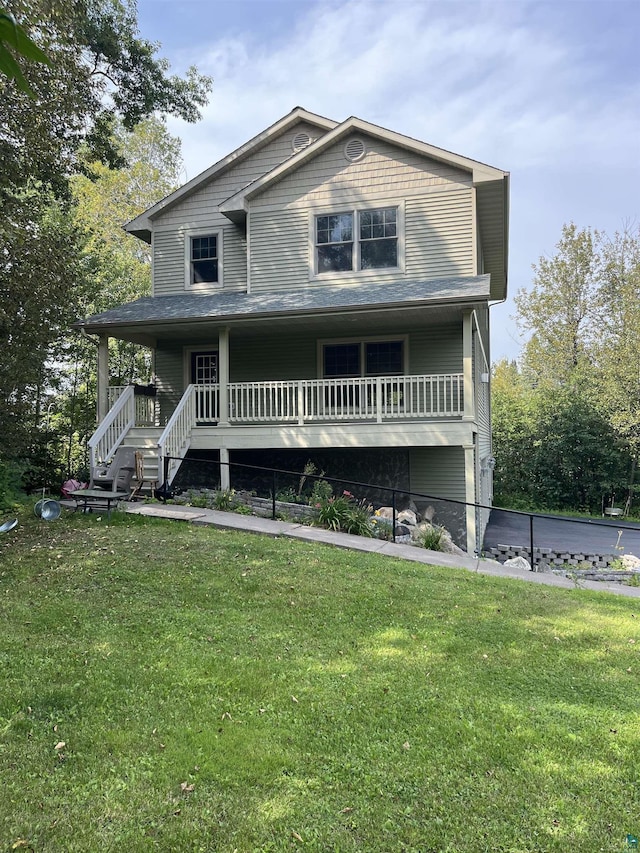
x=169, y=687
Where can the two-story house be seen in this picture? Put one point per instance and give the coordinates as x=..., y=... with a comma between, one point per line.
x=326, y=286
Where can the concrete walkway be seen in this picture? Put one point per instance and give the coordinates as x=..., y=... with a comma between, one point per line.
x=268, y=527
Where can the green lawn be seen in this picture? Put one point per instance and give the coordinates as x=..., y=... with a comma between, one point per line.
x=177, y=688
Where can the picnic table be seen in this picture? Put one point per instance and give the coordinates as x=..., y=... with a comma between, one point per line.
x=94, y=498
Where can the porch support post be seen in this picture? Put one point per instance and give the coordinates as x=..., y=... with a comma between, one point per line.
x=467, y=365
x=103, y=376
x=223, y=376
x=225, y=476
x=470, y=496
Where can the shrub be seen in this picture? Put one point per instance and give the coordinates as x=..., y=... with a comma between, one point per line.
x=9, y=485
x=225, y=500
x=382, y=528
x=321, y=491
x=431, y=537
x=346, y=514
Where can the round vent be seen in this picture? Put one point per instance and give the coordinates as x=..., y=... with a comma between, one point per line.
x=354, y=150
x=300, y=141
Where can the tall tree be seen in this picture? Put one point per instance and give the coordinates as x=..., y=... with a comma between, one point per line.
x=100, y=71
x=117, y=267
x=582, y=363
x=559, y=309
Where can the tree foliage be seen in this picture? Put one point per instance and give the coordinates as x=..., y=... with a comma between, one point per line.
x=567, y=425
x=60, y=119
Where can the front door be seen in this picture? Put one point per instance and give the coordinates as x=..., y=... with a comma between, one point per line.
x=204, y=373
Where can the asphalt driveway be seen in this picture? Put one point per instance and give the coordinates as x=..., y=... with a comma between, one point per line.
x=563, y=534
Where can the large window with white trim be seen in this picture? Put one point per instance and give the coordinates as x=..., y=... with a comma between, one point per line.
x=356, y=240
x=343, y=360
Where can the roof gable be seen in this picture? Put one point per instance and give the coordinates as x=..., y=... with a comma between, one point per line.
x=480, y=172
x=141, y=225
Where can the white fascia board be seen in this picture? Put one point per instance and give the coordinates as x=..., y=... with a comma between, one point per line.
x=143, y=222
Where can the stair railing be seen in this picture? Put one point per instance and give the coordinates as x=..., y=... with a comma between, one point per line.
x=176, y=437
x=111, y=431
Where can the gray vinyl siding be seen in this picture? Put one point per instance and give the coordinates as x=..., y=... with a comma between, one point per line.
x=168, y=262
x=199, y=207
x=279, y=250
x=169, y=378
x=330, y=179
x=200, y=210
x=439, y=235
x=438, y=471
x=436, y=349
x=262, y=359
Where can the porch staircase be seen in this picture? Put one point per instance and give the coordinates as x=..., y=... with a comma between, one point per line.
x=145, y=438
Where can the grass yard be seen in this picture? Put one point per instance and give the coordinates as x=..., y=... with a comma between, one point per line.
x=177, y=688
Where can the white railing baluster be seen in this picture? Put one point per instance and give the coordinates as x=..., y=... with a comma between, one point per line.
x=376, y=398
x=176, y=436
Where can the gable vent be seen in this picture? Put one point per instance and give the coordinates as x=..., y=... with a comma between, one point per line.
x=300, y=141
x=354, y=150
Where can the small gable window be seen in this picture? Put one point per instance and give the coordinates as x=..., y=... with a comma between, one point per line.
x=203, y=260
x=376, y=246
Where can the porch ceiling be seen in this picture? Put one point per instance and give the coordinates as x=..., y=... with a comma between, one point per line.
x=367, y=307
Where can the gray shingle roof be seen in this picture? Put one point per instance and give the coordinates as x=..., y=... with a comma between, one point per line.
x=229, y=306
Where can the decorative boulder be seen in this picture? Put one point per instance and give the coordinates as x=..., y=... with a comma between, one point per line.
x=518, y=563
x=630, y=561
x=385, y=512
x=407, y=516
x=428, y=514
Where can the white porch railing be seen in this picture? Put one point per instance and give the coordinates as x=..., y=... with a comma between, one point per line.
x=145, y=406
x=176, y=436
x=377, y=398
x=111, y=432
x=380, y=398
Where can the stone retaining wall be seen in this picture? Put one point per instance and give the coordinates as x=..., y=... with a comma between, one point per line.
x=552, y=559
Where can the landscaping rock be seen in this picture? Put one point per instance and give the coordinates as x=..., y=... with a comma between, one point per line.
x=518, y=563
x=407, y=516
x=447, y=545
x=630, y=561
x=385, y=512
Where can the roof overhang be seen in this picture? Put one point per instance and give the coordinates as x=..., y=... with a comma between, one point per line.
x=405, y=303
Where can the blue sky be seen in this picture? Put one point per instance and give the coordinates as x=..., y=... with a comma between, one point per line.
x=547, y=91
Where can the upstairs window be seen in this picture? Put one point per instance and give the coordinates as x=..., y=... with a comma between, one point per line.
x=378, y=238
x=204, y=259
x=334, y=238
x=375, y=248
